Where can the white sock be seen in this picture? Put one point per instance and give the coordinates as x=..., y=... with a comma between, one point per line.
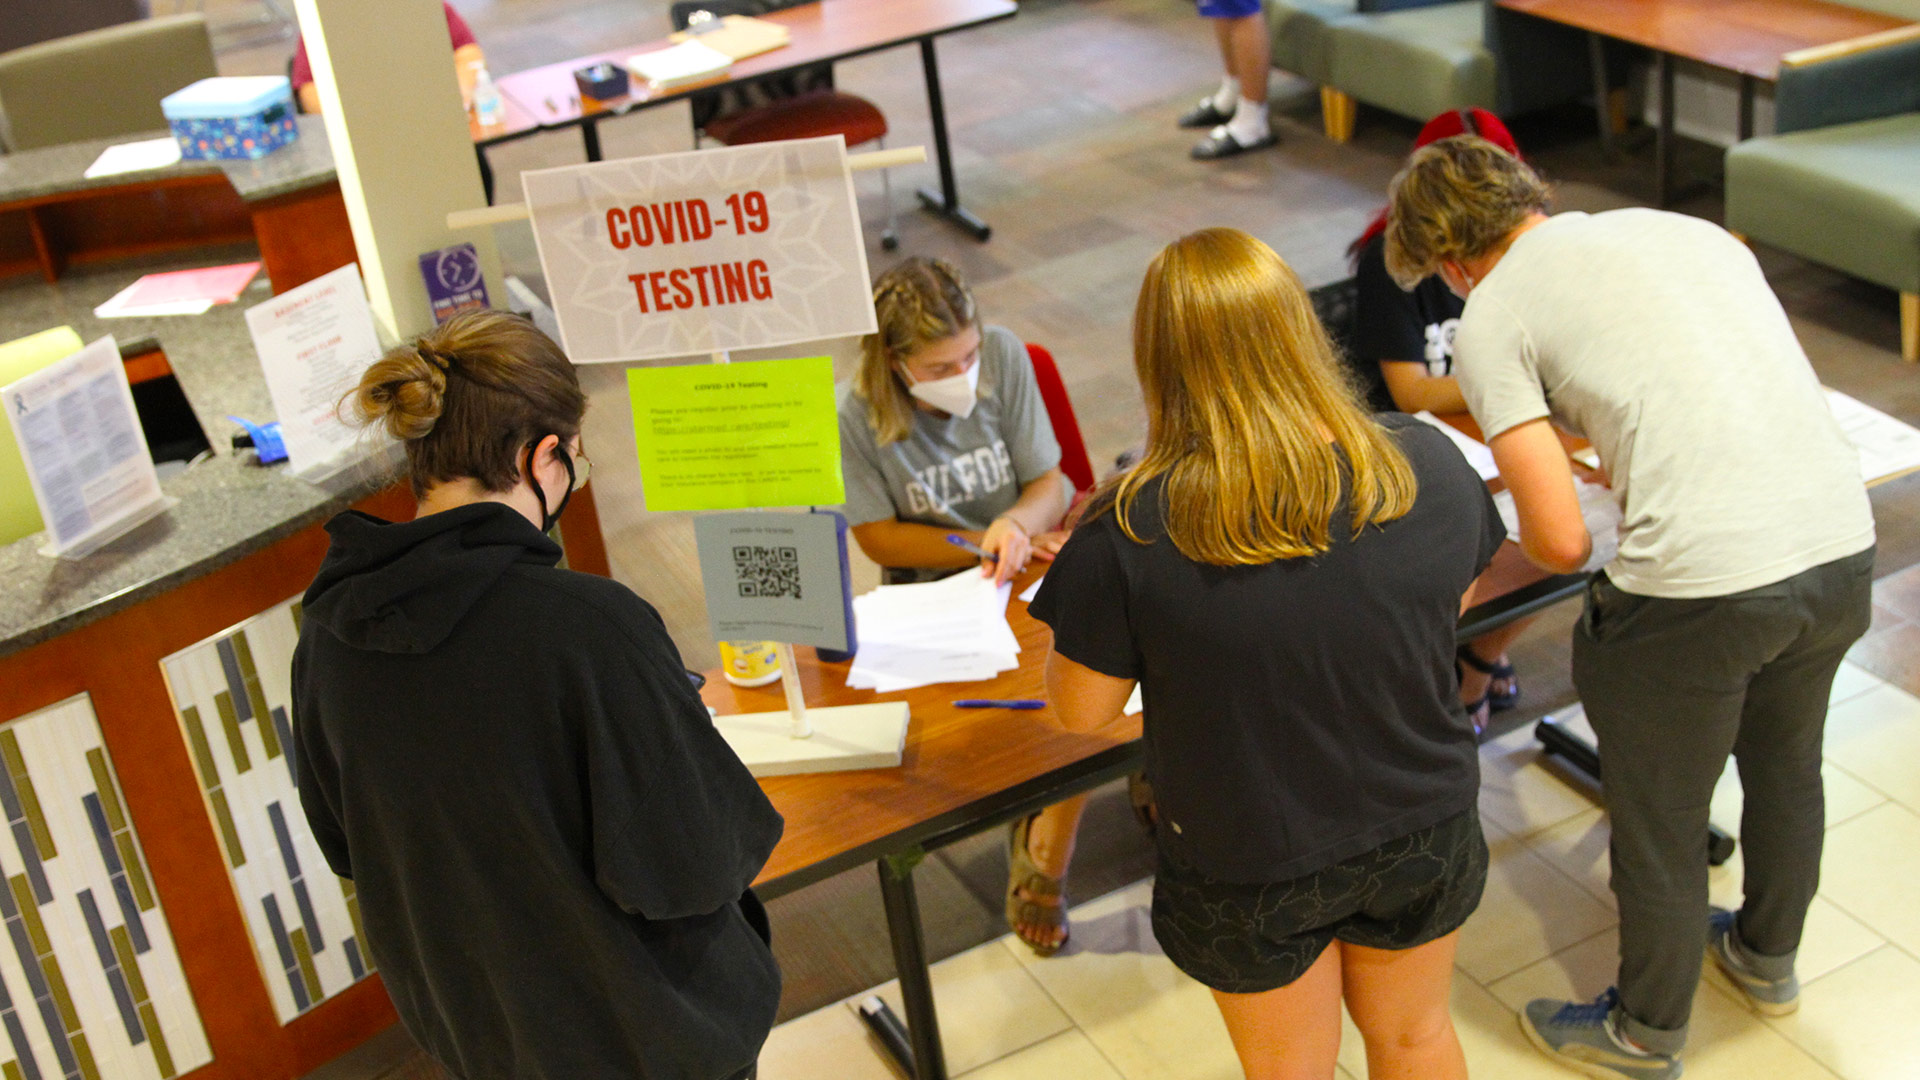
x=1249, y=123
x=1224, y=97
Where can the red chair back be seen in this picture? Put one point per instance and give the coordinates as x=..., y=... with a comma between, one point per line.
x=1066, y=429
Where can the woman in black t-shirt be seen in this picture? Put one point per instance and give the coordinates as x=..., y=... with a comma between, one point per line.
x=1402, y=356
x=1281, y=573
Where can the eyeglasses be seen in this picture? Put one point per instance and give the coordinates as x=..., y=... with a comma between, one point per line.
x=582, y=469
x=578, y=465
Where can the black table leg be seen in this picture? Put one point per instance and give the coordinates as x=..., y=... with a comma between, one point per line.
x=486, y=173
x=1746, y=107
x=910, y=963
x=1663, y=140
x=590, y=135
x=947, y=202
x=1583, y=758
x=1602, y=92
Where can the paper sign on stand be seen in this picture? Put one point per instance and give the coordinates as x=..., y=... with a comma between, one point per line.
x=315, y=342
x=783, y=577
x=685, y=254
x=727, y=437
x=19, y=513
x=85, y=454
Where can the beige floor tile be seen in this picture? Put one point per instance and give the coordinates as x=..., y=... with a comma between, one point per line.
x=989, y=1006
x=1876, y=737
x=1859, y=1020
x=1069, y=1054
x=1489, y=1035
x=1853, y=680
x=1578, y=849
x=1530, y=911
x=827, y=1044
x=1149, y=1020
x=1869, y=871
x=1519, y=792
x=1727, y=1041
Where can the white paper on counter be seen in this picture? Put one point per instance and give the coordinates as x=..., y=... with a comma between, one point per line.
x=86, y=455
x=951, y=630
x=118, y=307
x=1033, y=590
x=1134, y=703
x=1888, y=447
x=135, y=157
x=1597, y=505
x=315, y=341
x=1473, y=450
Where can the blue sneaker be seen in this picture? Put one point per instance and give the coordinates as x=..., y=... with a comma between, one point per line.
x=1584, y=1036
x=1730, y=965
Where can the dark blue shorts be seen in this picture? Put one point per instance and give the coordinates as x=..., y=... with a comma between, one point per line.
x=1247, y=939
x=1228, y=9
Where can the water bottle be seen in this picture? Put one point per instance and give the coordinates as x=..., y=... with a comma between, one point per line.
x=488, y=107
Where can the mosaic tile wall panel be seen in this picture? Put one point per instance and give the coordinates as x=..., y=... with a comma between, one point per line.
x=232, y=695
x=90, y=985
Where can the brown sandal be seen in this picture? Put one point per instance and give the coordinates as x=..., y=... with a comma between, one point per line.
x=1024, y=876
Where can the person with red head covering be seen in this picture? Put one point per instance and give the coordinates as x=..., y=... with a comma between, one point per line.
x=1402, y=358
x=1402, y=349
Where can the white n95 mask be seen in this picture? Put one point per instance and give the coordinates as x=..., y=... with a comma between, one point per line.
x=954, y=394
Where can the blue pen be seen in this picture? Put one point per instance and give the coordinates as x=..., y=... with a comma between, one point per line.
x=962, y=542
x=999, y=703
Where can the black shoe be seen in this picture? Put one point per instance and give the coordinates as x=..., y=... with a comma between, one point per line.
x=1220, y=143
x=1204, y=115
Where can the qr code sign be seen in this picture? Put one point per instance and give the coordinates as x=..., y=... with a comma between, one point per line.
x=766, y=572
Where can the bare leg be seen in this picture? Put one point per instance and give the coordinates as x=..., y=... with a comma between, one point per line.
x=1292, y=1033
x=1398, y=999
x=1050, y=844
x=1247, y=51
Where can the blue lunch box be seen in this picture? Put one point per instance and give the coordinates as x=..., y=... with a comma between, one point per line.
x=246, y=117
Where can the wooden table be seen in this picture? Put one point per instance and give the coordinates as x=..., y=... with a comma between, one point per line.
x=820, y=32
x=969, y=770
x=1747, y=37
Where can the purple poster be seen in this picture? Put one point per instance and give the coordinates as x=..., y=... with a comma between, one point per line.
x=454, y=282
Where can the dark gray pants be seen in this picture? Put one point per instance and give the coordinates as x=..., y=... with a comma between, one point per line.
x=1674, y=686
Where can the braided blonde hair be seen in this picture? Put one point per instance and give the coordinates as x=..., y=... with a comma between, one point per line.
x=918, y=303
x=466, y=397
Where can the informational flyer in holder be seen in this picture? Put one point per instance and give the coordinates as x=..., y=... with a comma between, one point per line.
x=694, y=253
x=734, y=436
x=315, y=341
x=775, y=577
x=86, y=456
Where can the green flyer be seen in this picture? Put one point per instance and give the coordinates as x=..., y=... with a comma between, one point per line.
x=734, y=436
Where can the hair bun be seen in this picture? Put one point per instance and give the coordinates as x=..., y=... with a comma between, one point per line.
x=403, y=392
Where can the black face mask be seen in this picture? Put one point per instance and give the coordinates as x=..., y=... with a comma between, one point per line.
x=548, y=519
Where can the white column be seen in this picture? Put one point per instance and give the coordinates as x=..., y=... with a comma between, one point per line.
x=384, y=71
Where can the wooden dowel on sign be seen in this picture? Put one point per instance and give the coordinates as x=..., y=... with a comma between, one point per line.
x=796, y=700
x=505, y=212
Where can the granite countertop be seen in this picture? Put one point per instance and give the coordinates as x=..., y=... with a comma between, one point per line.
x=229, y=507
x=53, y=170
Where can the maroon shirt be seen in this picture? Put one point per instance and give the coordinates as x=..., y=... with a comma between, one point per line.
x=303, y=68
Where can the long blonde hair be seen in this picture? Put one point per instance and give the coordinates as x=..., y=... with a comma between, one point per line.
x=1249, y=420
x=915, y=304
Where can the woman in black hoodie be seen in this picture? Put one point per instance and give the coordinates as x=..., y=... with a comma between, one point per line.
x=550, y=842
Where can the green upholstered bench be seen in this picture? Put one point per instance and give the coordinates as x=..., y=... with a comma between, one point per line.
x=1422, y=57
x=1839, y=182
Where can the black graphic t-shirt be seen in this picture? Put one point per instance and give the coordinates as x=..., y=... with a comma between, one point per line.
x=1393, y=325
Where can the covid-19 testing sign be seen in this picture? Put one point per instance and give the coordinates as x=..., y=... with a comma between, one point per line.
x=708, y=251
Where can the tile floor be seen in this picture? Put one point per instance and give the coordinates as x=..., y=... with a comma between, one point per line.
x=1113, y=1007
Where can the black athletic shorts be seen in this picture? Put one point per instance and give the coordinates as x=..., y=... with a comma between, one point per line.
x=1247, y=939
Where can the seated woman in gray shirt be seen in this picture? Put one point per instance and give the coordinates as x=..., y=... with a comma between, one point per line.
x=943, y=432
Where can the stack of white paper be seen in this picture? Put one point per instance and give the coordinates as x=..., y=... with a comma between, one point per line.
x=952, y=630
x=1473, y=450
x=135, y=157
x=1597, y=505
x=1888, y=447
x=677, y=65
